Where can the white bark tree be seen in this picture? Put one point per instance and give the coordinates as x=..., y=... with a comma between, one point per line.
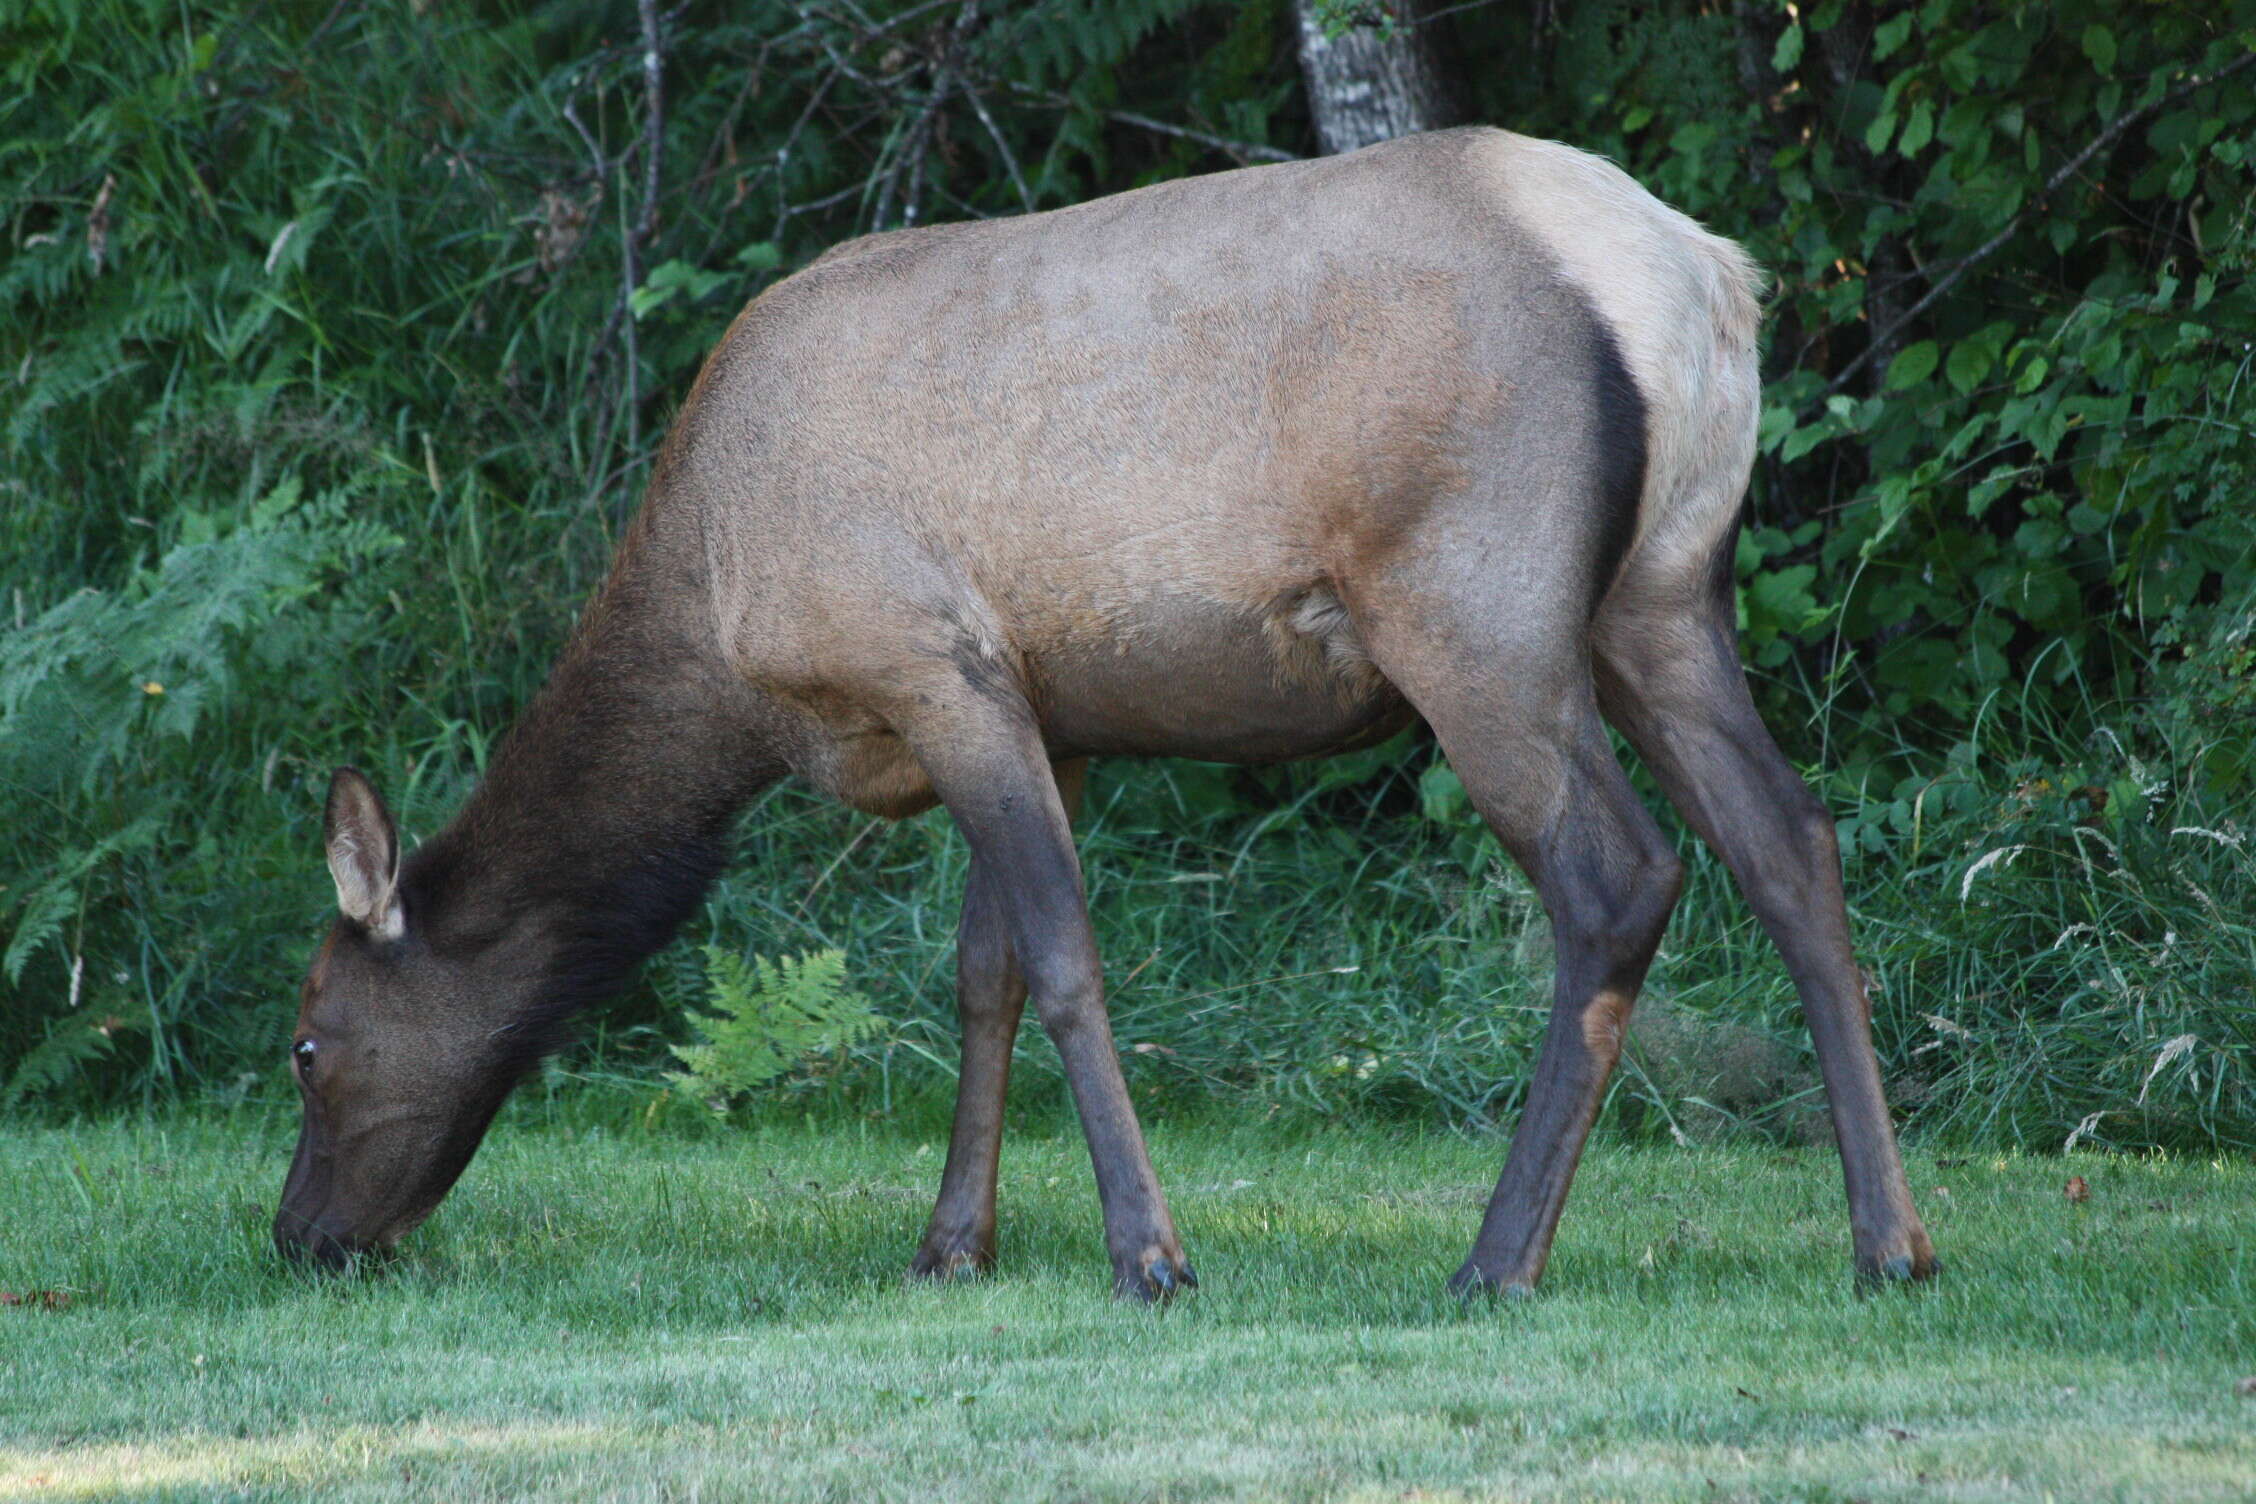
x=1383, y=75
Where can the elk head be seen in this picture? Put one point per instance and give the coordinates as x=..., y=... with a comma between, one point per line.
x=405, y=1044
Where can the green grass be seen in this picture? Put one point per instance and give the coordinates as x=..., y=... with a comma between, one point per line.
x=598, y=1313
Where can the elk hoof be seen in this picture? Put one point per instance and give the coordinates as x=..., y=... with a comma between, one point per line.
x=1471, y=1281
x=1155, y=1279
x=1904, y=1269
x=946, y=1265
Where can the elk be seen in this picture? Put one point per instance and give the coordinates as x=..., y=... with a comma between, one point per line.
x=1246, y=467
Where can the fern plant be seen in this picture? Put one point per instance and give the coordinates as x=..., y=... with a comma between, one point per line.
x=70, y=1043
x=769, y=1016
x=91, y=686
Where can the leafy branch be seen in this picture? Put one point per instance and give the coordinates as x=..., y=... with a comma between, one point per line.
x=1954, y=270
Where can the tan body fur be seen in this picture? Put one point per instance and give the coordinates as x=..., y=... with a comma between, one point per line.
x=1131, y=455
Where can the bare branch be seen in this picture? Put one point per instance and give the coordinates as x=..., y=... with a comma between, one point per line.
x=784, y=208
x=632, y=235
x=1244, y=151
x=1010, y=158
x=600, y=167
x=630, y=244
x=654, y=117
x=1432, y=16
x=917, y=141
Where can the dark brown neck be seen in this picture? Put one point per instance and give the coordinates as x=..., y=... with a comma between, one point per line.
x=606, y=812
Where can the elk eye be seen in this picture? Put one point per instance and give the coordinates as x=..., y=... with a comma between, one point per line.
x=303, y=1052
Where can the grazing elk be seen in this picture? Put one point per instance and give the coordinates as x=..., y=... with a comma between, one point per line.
x=1245, y=467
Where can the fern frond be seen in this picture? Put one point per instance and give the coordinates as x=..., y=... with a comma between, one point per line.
x=70, y=1042
x=53, y=900
x=768, y=1017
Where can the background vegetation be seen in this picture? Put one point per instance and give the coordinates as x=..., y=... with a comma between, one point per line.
x=336, y=343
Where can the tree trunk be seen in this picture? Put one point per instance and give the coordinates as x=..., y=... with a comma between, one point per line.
x=1375, y=80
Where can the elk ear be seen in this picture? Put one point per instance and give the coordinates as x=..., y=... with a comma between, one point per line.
x=363, y=849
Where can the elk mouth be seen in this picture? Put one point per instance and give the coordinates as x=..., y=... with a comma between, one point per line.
x=326, y=1221
x=312, y=1231
x=315, y=1243
x=323, y=1243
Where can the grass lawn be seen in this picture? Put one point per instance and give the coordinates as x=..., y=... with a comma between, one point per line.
x=597, y=1315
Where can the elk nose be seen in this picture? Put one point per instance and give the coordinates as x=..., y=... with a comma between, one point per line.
x=303, y=1241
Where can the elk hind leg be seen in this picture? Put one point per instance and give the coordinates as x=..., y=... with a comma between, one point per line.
x=1516, y=715
x=1670, y=678
x=1608, y=880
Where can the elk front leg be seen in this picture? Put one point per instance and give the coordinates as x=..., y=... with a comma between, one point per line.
x=990, y=997
x=991, y=772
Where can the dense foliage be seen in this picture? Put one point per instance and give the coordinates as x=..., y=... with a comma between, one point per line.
x=337, y=342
